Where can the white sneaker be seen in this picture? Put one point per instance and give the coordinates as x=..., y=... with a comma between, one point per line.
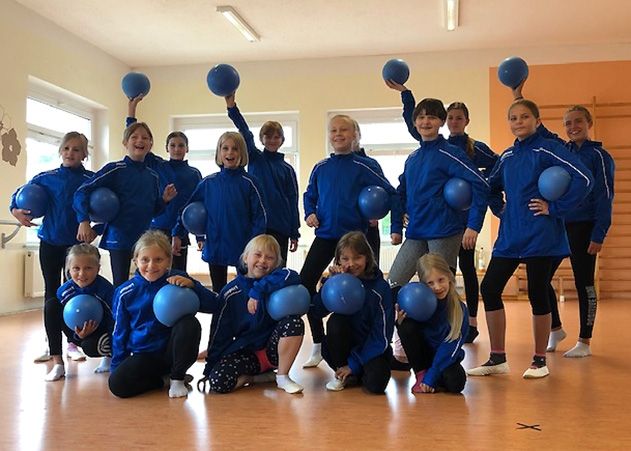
x=45, y=357
x=536, y=373
x=335, y=385
x=487, y=370
x=56, y=373
x=75, y=353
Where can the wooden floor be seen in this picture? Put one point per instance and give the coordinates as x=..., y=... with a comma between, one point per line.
x=584, y=404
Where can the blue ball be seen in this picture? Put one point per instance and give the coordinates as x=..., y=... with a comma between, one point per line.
x=374, y=202
x=291, y=300
x=417, y=300
x=135, y=84
x=82, y=308
x=396, y=70
x=172, y=303
x=223, y=80
x=512, y=71
x=104, y=205
x=457, y=193
x=34, y=198
x=553, y=183
x=343, y=294
x=194, y=218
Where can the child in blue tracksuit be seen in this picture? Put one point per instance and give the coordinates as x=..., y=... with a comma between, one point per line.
x=531, y=231
x=236, y=211
x=357, y=347
x=82, y=265
x=277, y=178
x=174, y=171
x=58, y=231
x=434, y=347
x=143, y=349
x=586, y=225
x=331, y=208
x=138, y=190
x=484, y=159
x=246, y=343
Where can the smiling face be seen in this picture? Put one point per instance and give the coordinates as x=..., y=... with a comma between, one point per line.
x=260, y=262
x=428, y=126
x=152, y=263
x=438, y=282
x=341, y=135
x=139, y=144
x=577, y=126
x=229, y=154
x=456, y=122
x=272, y=141
x=523, y=122
x=352, y=262
x=177, y=148
x=83, y=269
x=72, y=153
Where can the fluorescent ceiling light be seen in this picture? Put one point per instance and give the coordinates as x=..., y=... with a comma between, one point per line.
x=240, y=24
x=451, y=14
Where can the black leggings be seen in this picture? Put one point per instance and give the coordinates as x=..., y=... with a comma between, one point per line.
x=539, y=273
x=374, y=240
x=52, y=259
x=338, y=346
x=318, y=258
x=97, y=344
x=583, y=266
x=283, y=241
x=218, y=276
x=120, y=261
x=421, y=356
x=179, y=261
x=466, y=259
x=142, y=372
x=225, y=374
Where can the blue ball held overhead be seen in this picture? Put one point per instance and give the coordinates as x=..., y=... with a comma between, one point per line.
x=82, y=308
x=34, y=198
x=194, y=218
x=343, y=294
x=223, y=80
x=417, y=300
x=172, y=303
x=291, y=300
x=553, y=183
x=104, y=205
x=457, y=193
x=396, y=70
x=512, y=71
x=374, y=202
x=135, y=84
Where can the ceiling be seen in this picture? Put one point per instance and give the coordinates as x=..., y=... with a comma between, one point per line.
x=173, y=32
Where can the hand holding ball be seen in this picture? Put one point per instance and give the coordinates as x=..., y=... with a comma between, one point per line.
x=34, y=198
x=172, y=303
x=82, y=308
x=396, y=70
x=135, y=84
x=223, y=80
x=417, y=300
x=512, y=71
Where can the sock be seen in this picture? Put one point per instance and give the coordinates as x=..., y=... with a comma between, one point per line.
x=315, y=357
x=496, y=358
x=284, y=382
x=556, y=336
x=177, y=389
x=104, y=366
x=579, y=350
x=316, y=350
x=538, y=361
x=56, y=373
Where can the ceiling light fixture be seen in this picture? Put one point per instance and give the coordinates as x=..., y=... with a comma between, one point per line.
x=451, y=14
x=239, y=22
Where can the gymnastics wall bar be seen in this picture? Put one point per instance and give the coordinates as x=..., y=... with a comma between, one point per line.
x=6, y=238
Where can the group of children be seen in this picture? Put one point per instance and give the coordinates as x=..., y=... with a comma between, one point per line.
x=252, y=222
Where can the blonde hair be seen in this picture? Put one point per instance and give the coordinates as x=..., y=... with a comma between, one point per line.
x=153, y=238
x=455, y=315
x=241, y=146
x=75, y=135
x=266, y=243
x=133, y=127
x=357, y=242
x=79, y=250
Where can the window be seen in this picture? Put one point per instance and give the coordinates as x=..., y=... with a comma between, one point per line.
x=47, y=123
x=203, y=132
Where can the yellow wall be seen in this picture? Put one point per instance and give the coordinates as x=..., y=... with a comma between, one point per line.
x=32, y=46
